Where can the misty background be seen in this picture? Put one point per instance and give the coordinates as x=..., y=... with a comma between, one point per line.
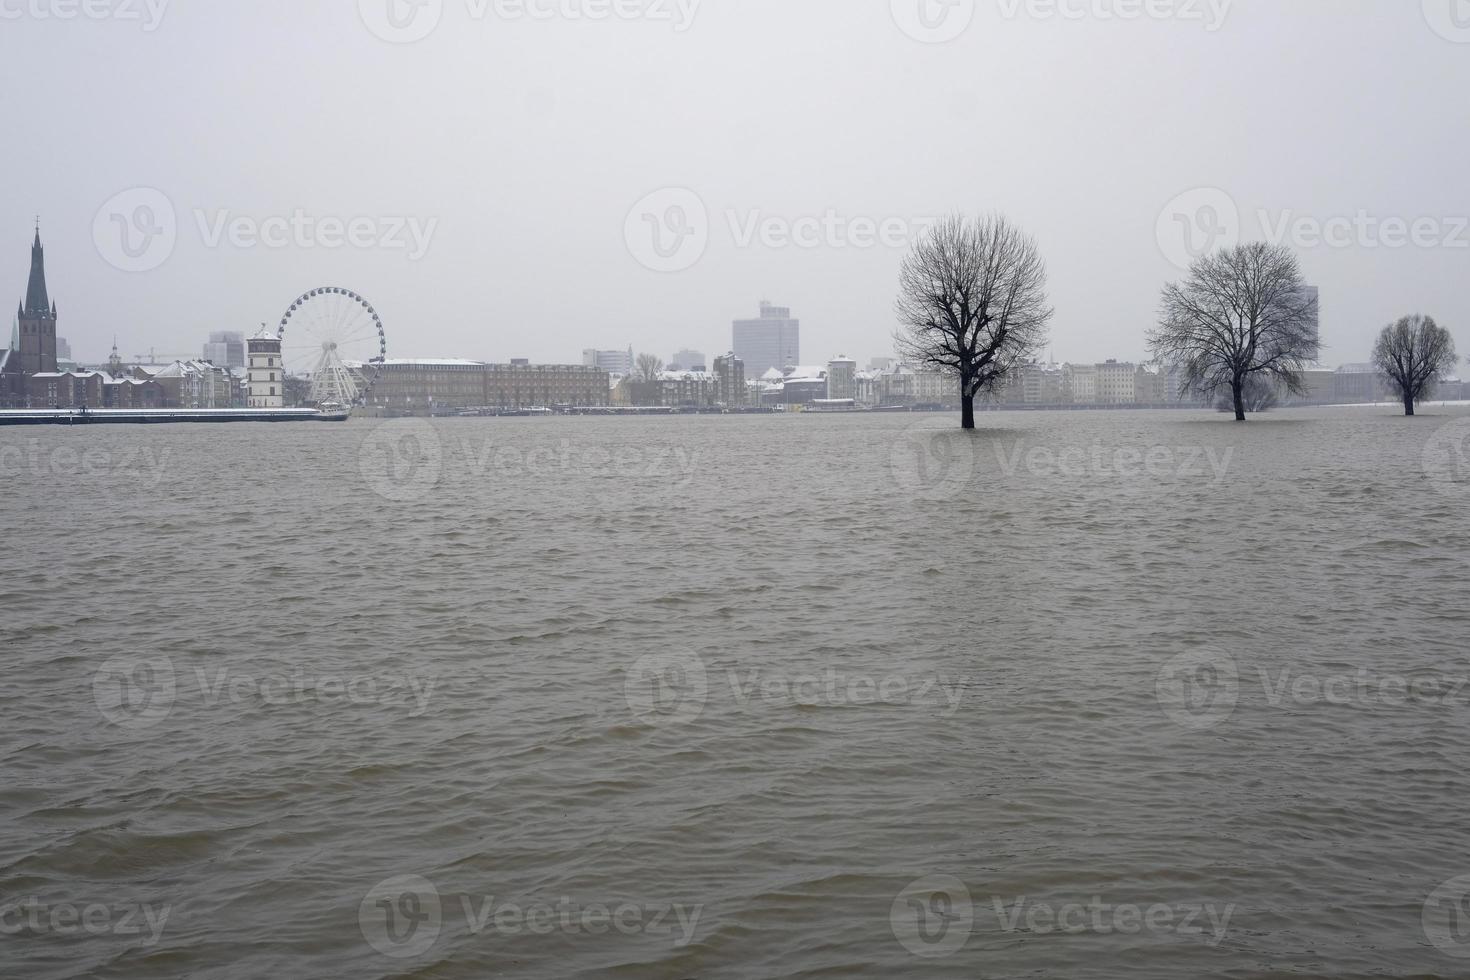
x=524, y=144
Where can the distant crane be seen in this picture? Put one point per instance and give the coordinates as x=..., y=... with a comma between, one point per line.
x=153, y=358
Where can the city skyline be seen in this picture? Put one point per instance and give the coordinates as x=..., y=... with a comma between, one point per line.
x=1097, y=214
x=226, y=348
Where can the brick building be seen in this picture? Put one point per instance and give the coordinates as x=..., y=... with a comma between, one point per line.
x=417, y=387
x=32, y=347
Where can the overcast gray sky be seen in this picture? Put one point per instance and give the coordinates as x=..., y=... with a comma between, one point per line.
x=514, y=164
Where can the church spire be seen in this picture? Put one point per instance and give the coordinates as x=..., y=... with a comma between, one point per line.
x=36, y=301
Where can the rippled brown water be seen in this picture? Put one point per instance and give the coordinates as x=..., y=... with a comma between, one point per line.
x=764, y=697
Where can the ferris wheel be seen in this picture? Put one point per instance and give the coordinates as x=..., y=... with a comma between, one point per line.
x=334, y=339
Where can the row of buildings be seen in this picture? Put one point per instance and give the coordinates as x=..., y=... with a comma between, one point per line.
x=36, y=370
x=762, y=371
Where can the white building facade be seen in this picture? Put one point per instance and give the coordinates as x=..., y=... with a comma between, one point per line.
x=266, y=375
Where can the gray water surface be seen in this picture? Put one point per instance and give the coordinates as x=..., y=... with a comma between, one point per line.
x=1082, y=695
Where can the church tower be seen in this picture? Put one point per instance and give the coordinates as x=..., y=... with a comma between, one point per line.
x=37, y=317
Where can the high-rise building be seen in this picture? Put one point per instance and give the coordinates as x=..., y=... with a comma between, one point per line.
x=773, y=341
x=226, y=349
x=688, y=360
x=614, y=362
x=63, y=349
x=841, y=379
x=36, y=318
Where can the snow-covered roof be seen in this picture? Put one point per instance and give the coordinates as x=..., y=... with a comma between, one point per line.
x=425, y=362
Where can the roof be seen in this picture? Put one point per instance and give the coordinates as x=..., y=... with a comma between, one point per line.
x=427, y=362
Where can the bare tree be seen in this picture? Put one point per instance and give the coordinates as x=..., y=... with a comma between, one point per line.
x=1411, y=355
x=972, y=303
x=1242, y=312
x=649, y=367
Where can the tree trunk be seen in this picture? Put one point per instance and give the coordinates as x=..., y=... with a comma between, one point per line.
x=968, y=404
x=1238, y=389
x=1409, y=405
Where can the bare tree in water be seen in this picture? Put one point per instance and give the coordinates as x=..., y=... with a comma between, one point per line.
x=972, y=303
x=1243, y=312
x=1411, y=356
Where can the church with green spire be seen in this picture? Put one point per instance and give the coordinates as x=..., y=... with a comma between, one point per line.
x=32, y=349
x=36, y=318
